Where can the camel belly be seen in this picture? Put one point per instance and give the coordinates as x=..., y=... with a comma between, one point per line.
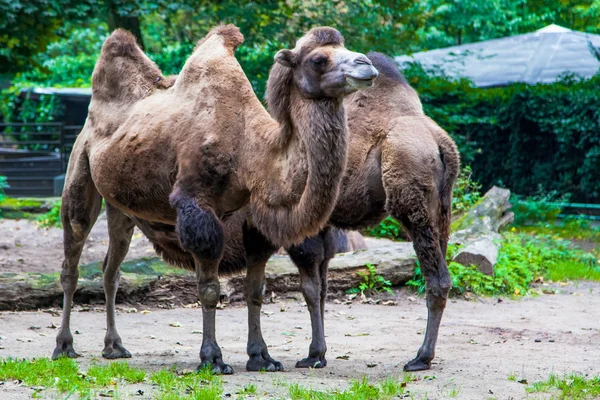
x=362, y=198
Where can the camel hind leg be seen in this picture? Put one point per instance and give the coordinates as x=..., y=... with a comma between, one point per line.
x=120, y=231
x=413, y=204
x=81, y=204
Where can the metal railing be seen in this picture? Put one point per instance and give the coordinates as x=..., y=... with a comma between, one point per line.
x=33, y=154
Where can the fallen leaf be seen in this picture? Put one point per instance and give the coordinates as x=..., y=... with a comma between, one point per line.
x=145, y=312
x=342, y=357
x=197, y=331
x=356, y=334
x=175, y=324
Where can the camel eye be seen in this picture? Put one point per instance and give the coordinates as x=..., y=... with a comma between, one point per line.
x=319, y=60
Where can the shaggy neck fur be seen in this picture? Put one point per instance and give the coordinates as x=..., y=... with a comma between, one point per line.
x=313, y=149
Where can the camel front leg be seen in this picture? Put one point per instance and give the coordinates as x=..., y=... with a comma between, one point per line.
x=81, y=205
x=201, y=233
x=258, y=251
x=120, y=230
x=308, y=257
x=259, y=358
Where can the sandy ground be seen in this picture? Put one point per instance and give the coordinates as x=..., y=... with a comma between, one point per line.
x=482, y=342
x=26, y=247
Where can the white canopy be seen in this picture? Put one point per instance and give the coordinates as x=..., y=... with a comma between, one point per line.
x=538, y=57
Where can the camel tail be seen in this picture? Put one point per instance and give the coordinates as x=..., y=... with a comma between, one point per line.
x=230, y=33
x=451, y=162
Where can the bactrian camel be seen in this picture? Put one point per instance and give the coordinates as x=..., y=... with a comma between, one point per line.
x=400, y=163
x=177, y=157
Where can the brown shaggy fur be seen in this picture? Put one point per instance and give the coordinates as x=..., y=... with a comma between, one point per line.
x=178, y=156
x=400, y=163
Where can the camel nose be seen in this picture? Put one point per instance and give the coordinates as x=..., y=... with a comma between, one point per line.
x=362, y=60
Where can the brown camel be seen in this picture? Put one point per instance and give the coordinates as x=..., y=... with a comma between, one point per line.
x=177, y=157
x=400, y=163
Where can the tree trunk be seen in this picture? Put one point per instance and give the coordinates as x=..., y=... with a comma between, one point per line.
x=478, y=230
x=130, y=23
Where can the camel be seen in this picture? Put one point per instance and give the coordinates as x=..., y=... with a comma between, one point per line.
x=400, y=163
x=178, y=156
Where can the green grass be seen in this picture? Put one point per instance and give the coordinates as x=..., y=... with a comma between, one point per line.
x=358, y=390
x=568, y=387
x=522, y=259
x=572, y=229
x=64, y=376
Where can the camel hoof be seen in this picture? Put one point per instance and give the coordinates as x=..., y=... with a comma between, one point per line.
x=260, y=364
x=217, y=369
x=68, y=352
x=417, y=365
x=116, y=352
x=312, y=362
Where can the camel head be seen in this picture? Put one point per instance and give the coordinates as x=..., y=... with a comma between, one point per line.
x=323, y=68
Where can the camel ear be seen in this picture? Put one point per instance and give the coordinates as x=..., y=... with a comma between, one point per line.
x=285, y=57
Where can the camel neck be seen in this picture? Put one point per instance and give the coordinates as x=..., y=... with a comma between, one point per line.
x=311, y=167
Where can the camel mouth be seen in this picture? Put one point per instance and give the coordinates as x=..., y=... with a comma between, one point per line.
x=359, y=82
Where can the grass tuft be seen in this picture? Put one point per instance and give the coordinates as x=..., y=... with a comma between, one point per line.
x=358, y=390
x=568, y=387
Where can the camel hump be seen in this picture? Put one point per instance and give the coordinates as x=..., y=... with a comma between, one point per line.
x=230, y=33
x=388, y=69
x=123, y=72
x=120, y=43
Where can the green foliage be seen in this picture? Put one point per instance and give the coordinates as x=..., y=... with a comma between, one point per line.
x=539, y=208
x=372, y=282
x=568, y=387
x=51, y=218
x=3, y=185
x=466, y=191
x=27, y=27
x=533, y=139
x=389, y=228
x=518, y=136
x=574, y=228
x=522, y=259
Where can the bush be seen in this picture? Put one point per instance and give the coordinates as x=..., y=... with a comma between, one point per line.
x=541, y=208
x=51, y=218
x=523, y=258
x=520, y=136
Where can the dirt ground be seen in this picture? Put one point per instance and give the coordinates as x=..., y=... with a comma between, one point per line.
x=26, y=247
x=482, y=342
